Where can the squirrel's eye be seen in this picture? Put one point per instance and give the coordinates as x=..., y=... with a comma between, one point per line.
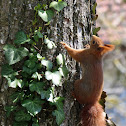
x=93, y=42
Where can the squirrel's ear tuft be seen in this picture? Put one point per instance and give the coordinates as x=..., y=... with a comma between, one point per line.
x=106, y=48
x=109, y=47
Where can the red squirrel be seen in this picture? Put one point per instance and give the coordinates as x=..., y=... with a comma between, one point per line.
x=88, y=89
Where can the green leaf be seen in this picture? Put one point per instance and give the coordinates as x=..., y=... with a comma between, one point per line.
x=30, y=63
x=47, y=63
x=33, y=106
x=31, y=66
x=58, y=101
x=60, y=59
x=6, y=70
x=35, y=122
x=36, y=86
x=51, y=97
x=46, y=40
x=37, y=35
x=60, y=116
x=14, y=55
x=16, y=82
x=94, y=8
x=46, y=15
x=96, y=30
x=45, y=94
x=8, y=73
x=59, y=113
x=9, y=109
x=58, y=5
x=56, y=78
x=33, y=56
x=22, y=116
x=36, y=75
x=21, y=38
x=20, y=123
x=50, y=44
x=48, y=75
x=38, y=7
x=64, y=71
x=40, y=35
x=29, y=70
x=36, y=38
x=17, y=96
x=39, y=56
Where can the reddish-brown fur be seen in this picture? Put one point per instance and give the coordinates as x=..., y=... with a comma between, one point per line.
x=88, y=89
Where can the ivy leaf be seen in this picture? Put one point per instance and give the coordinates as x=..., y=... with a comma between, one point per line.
x=40, y=35
x=29, y=70
x=96, y=30
x=58, y=101
x=21, y=38
x=37, y=35
x=48, y=75
x=64, y=71
x=59, y=116
x=36, y=86
x=47, y=63
x=9, y=74
x=36, y=75
x=56, y=78
x=45, y=94
x=58, y=5
x=59, y=113
x=39, y=56
x=46, y=15
x=30, y=66
x=17, y=96
x=33, y=106
x=14, y=55
x=50, y=44
x=9, y=109
x=6, y=70
x=35, y=122
x=16, y=82
x=30, y=63
x=60, y=59
x=20, y=123
x=51, y=97
x=36, y=38
x=22, y=116
x=39, y=6
x=46, y=40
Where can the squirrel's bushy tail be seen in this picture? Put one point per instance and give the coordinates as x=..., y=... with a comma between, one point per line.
x=92, y=115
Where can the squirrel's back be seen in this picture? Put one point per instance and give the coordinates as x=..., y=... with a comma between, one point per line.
x=89, y=88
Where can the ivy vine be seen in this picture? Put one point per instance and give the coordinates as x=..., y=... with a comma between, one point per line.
x=36, y=76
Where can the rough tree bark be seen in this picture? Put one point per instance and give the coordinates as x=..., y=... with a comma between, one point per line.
x=71, y=26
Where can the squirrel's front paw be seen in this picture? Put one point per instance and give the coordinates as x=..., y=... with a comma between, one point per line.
x=64, y=44
x=87, y=46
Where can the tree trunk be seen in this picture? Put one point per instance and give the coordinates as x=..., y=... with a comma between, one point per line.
x=72, y=25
